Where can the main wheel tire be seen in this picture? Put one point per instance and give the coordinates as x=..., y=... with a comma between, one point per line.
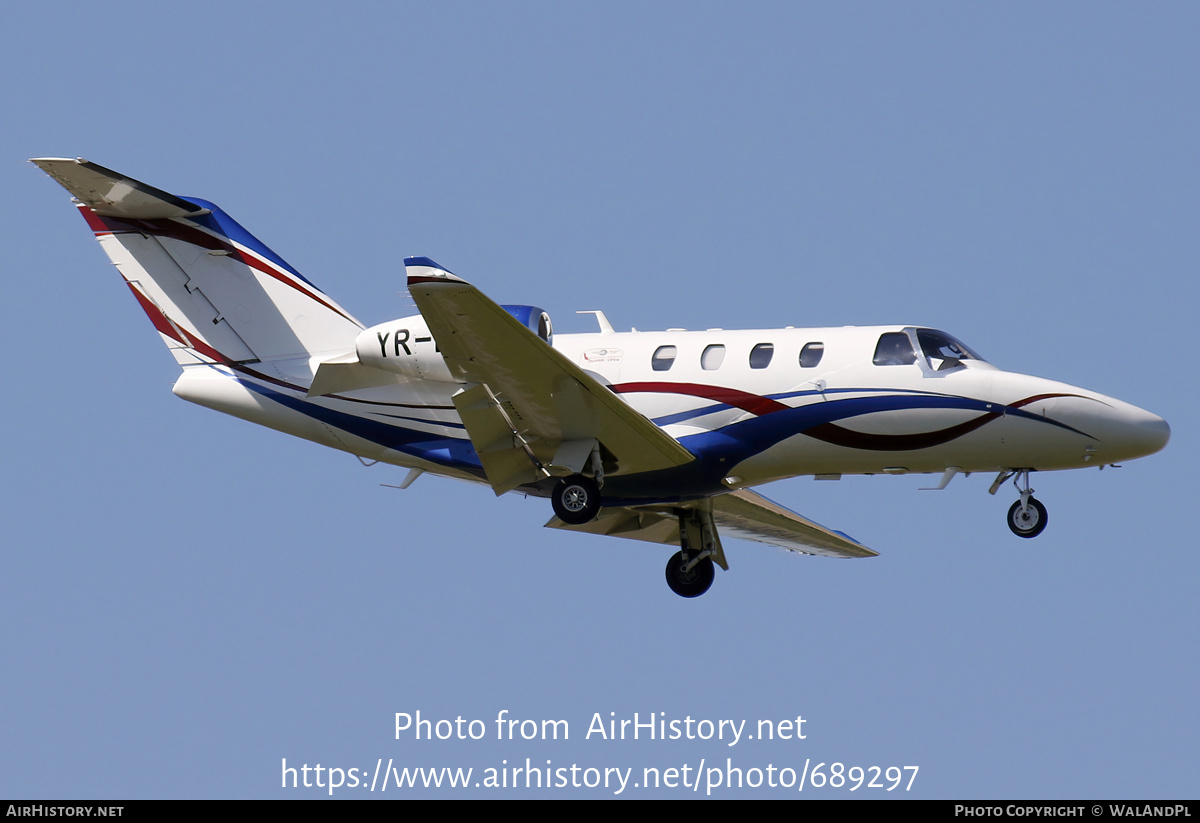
x=1030, y=522
x=689, y=583
x=576, y=500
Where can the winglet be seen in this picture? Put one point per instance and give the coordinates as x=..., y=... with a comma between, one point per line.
x=425, y=270
x=111, y=194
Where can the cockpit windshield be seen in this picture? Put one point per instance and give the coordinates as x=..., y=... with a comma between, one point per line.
x=943, y=350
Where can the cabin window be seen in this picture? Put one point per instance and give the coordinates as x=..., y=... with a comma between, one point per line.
x=713, y=357
x=811, y=355
x=664, y=358
x=760, y=355
x=894, y=349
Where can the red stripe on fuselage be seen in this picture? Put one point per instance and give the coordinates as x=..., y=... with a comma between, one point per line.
x=1018, y=404
x=745, y=401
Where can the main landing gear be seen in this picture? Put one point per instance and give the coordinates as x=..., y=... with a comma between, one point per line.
x=1027, y=517
x=690, y=571
x=689, y=576
x=576, y=499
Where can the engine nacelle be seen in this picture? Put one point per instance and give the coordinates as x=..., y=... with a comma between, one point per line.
x=534, y=319
x=406, y=346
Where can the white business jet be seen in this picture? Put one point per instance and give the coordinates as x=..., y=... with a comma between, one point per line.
x=654, y=436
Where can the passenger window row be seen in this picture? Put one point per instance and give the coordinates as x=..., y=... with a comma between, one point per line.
x=714, y=355
x=892, y=349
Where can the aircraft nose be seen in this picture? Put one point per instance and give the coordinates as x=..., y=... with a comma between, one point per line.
x=1148, y=434
x=1116, y=431
x=1123, y=431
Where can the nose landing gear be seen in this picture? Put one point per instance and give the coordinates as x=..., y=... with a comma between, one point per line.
x=1027, y=517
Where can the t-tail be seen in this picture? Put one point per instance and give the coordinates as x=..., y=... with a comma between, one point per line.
x=213, y=291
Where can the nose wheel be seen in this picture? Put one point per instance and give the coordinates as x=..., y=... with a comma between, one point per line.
x=1027, y=520
x=1027, y=517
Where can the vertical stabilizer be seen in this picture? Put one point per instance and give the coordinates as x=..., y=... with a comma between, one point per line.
x=212, y=290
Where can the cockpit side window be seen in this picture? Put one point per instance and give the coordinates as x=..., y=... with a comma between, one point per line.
x=943, y=350
x=894, y=349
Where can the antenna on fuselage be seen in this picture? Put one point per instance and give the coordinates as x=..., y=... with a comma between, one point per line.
x=605, y=326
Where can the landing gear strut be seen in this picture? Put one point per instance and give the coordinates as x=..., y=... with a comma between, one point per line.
x=1027, y=517
x=690, y=571
x=576, y=500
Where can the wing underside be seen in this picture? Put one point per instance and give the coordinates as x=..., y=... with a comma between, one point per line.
x=744, y=513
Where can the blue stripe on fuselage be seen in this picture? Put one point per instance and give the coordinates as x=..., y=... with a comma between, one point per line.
x=715, y=450
x=746, y=438
x=448, y=451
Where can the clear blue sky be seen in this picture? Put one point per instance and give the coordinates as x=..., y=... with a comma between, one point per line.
x=190, y=599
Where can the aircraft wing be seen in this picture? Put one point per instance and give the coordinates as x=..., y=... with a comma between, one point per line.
x=743, y=513
x=530, y=412
x=750, y=516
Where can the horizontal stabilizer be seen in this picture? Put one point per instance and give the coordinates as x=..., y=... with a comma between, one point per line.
x=347, y=374
x=111, y=194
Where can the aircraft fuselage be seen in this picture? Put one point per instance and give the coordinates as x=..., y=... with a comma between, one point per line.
x=747, y=424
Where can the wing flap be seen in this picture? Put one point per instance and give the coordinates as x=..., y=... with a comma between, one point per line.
x=507, y=458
